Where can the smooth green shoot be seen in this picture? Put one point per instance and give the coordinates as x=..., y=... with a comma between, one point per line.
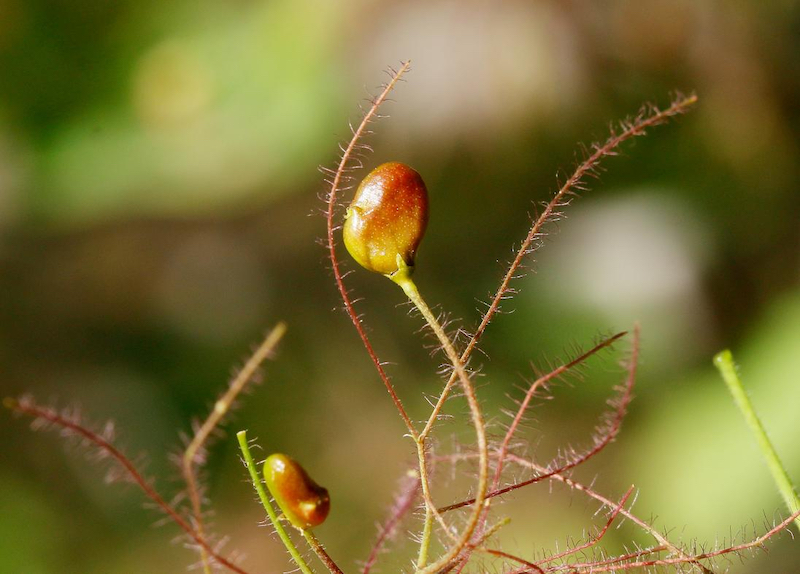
x=262, y=495
x=727, y=368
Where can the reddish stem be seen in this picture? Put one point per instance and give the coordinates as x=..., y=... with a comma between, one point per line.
x=613, y=565
x=529, y=565
x=647, y=118
x=29, y=408
x=541, y=381
x=347, y=152
x=401, y=507
x=604, y=440
x=617, y=509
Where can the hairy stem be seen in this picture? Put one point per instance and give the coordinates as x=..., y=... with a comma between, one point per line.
x=255, y=478
x=478, y=544
x=575, y=485
x=647, y=118
x=221, y=407
x=430, y=507
x=539, y=383
x=320, y=551
x=410, y=289
x=694, y=560
x=596, y=539
x=602, y=440
x=26, y=406
x=402, y=505
x=335, y=184
x=727, y=368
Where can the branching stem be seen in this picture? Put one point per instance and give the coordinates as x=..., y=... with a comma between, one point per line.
x=601, y=441
x=221, y=407
x=26, y=406
x=404, y=280
x=646, y=119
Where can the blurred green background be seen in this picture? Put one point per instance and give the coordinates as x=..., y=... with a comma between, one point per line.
x=158, y=166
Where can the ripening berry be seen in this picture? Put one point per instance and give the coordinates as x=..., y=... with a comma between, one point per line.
x=387, y=219
x=304, y=503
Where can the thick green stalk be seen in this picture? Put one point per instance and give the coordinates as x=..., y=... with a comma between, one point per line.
x=262, y=495
x=727, y=368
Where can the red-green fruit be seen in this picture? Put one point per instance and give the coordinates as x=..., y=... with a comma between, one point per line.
x=387, y=218
x=303, y=502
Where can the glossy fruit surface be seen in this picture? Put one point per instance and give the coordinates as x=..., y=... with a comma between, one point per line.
x=304, y=503
x=387, y=218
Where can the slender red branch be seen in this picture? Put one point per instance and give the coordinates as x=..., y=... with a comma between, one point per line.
x=596, y=539
x=523, y=406
x=601, y=441
x=28, y=407
x=648, y=117
x=537, y=384
x=321, y=553
x=616, y=559
x=508, y=556
x=694, y=559
x=338, y=175
x=660, y=538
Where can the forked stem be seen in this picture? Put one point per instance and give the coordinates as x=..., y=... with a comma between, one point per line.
x=221, y=408
x=262, y=496
x=69, y=426
x=727, y=368
x=647, y=118
x=403, y=278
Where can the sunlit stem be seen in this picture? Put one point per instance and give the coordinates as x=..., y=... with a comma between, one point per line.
x=262, y=495
x=727, y=368
x=430, y=508
x=403, y=278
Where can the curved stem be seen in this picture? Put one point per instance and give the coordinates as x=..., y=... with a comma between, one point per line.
x=727, y=368
x=336, y=183
x=403, y=279
x=541, y=382
x=430, y=507
x=602, y=439
x=262, y=495
x=431, y=512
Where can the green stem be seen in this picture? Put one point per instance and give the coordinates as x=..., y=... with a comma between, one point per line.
x=262, y=495
x=430, y=508
x=403, y=278
x=727, y=368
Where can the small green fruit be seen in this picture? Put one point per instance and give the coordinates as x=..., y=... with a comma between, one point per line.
x=303, y=502
x=387, y=219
